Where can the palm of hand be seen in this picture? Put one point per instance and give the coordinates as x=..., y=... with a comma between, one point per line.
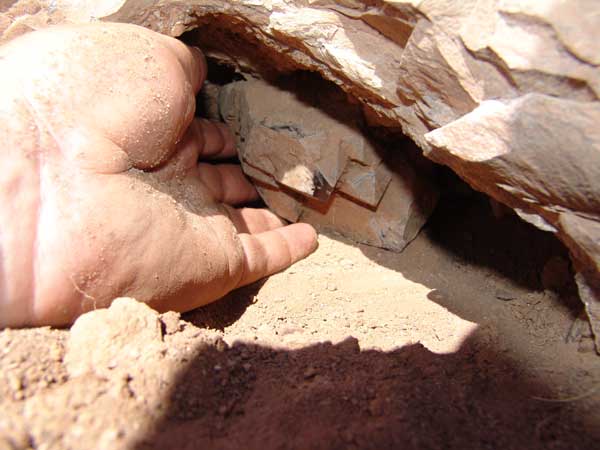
x=114, y=202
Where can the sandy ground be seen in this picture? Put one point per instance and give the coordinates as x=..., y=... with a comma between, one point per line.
x=452, y=344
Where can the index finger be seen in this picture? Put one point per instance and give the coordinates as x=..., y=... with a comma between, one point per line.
x=192, y=61
x=271, y=251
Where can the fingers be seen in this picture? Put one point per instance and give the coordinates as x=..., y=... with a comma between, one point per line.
x=198, y=68
x=253, y=220
x=192, y=61
x=209, y=140
x=203, y=139
x=269, y=252
x=217, y=141
x=227, y=183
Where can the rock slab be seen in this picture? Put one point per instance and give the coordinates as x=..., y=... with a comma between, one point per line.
x=302, y=145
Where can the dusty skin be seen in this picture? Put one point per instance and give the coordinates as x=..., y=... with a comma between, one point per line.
x=452, y=344
x=101, y=193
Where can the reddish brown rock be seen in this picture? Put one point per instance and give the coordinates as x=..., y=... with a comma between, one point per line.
x=305, y=147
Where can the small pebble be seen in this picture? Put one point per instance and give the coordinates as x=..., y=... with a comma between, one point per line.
x=290, y=329
x=586, y=345
x=310, y=372
x=170, y=322
x=15, y=383
x=503, y=295
x=221, y=345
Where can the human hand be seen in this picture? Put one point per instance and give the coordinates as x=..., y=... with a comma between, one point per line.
x=101, y=192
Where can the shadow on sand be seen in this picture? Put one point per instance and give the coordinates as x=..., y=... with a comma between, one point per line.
x=328, y=396
x=336, y=397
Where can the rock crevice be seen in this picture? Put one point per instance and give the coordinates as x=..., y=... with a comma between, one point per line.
x=503, y=92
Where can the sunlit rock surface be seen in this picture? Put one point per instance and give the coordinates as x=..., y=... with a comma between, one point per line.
x=303, y=145
x=503, y=92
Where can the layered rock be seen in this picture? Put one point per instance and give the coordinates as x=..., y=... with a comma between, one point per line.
x=505, y=92
x=301, y=143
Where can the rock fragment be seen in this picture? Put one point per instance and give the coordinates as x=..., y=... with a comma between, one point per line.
x=124, y=335
x=314, y=164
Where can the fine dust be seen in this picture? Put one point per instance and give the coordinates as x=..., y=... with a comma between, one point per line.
x=453, y=343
